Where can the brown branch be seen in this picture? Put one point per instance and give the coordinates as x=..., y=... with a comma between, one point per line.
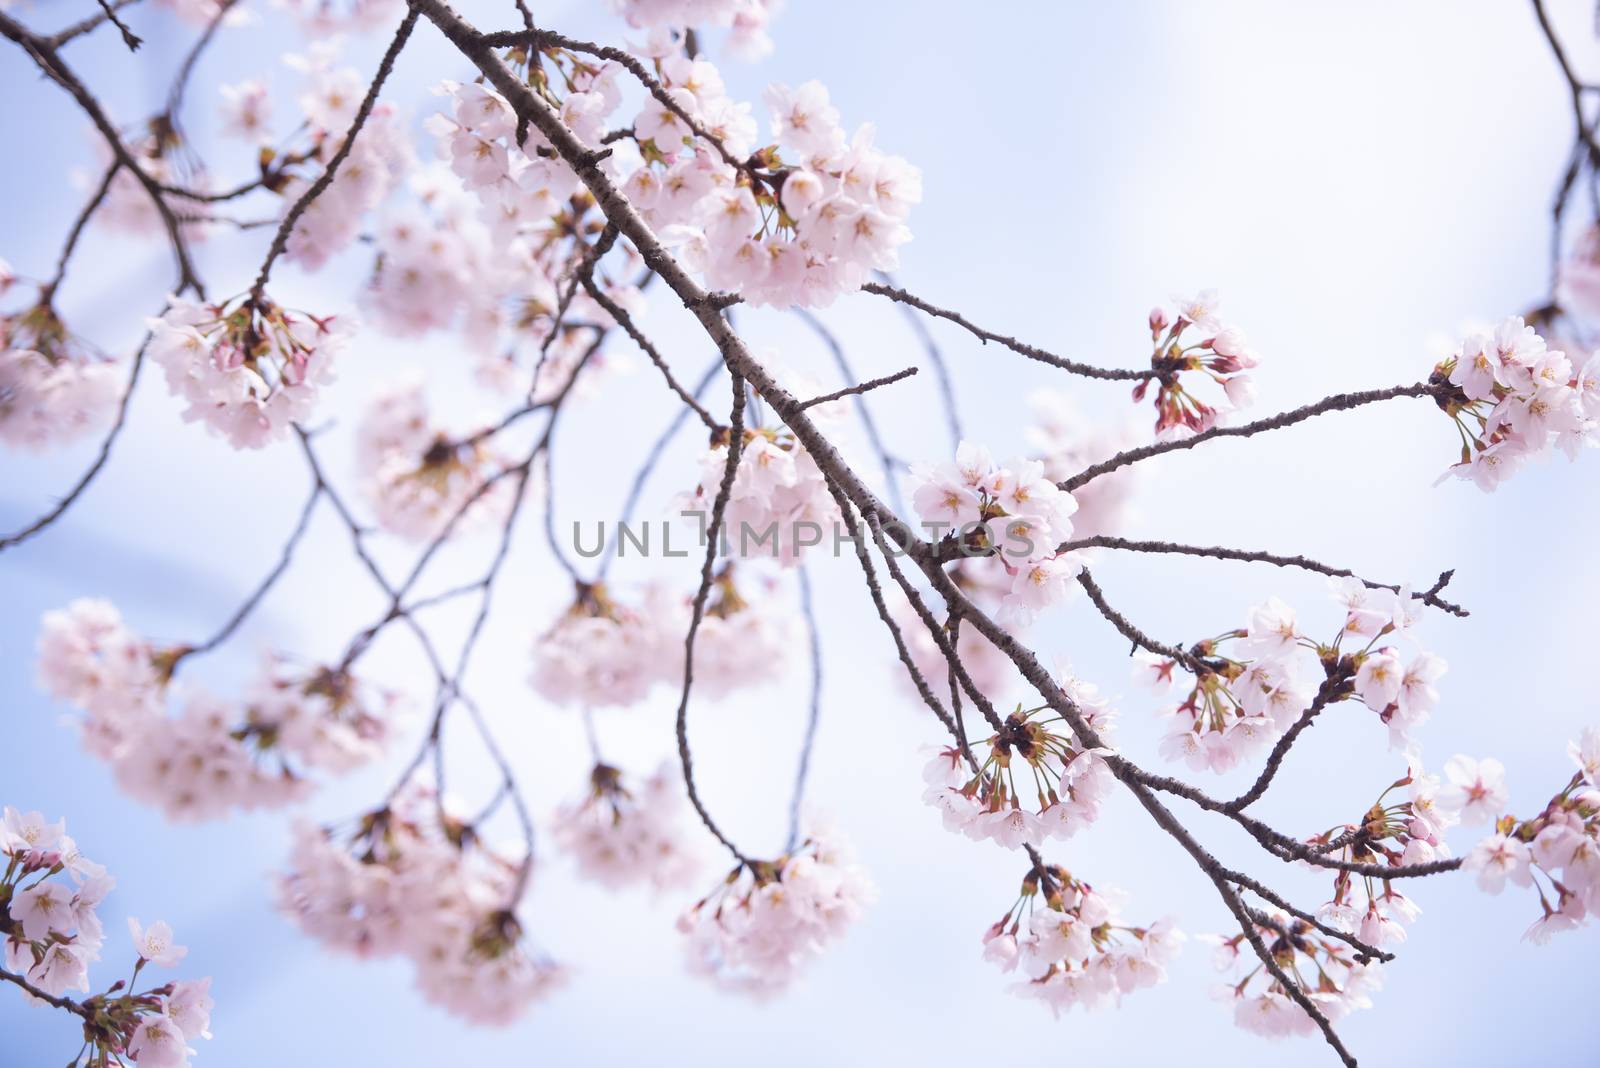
x=50, y=999
x=584, y=269
x=280, y=240
x=1139, y=639
x=713, y=533
x=180, y=84
x=742, y=365
x=1103, y=541
x=129, y=38
x=285, y=558
x=857, y=390
x=1337, y=403
x=44, y=54
x=1336, y=687
x=48, y=292
x=1032, y=352
x=624, y=320
x=88, y=25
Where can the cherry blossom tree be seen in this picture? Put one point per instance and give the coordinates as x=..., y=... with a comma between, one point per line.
x=555, y=189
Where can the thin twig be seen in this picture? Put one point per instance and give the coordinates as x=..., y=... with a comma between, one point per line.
x=1337, y=403
x=280, y=240
x=1032, y=352
x=857, y=390
x=1105, y=541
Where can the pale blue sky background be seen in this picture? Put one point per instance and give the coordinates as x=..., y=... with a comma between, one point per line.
x=1354, y=178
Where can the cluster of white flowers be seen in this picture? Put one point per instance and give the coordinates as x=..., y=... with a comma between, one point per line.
x=459, y=258
x=603, y=653
x=1250, y=692
x=1260, y=1003
x=215, y=755
x=1194, y=338
x=1562, y=843
x=517, y=185
x=1065, y=444
x=1062, y=794
x=419, y=478
x=53, y=391
x=1515, y=399
x=329, y=102
x=801, y=221
x=624, y=834
x=746, y=638
x=248, y=369
x=746, y=19
x=1399, y=833
x=779, y=504
x=412, y=880
x=52, y=933
x=1009, y=511
x=762, y=924
x=1073, y=949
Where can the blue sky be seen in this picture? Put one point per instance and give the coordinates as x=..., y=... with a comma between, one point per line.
x=1354, y=179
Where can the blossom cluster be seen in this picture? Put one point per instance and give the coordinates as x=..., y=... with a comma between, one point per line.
x=758, y=929
x=519, y=187
x=412, y=880
x=53, y=389
x=1194, y=338
x=1061, y=794
x=215, y=755
x=1325, y=970
x=1514, y=398
x=626, y=834
x=779, y=504
x=1073, y=950
x=1065, y=442
x=1398, y=833
x=602, y=652
x=1561, y=844
x=746, y=19
x=1008, y=511
x=49, y=894
x=372, y=169
x=800, y=221
x=1248, y=688
x=421, y=479
x=506, y=227
x=249, y=368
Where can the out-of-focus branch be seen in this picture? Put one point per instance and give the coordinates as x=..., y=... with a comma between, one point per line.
x=44, y=54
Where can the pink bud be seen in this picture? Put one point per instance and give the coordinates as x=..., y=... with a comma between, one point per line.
x=1158, y=320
